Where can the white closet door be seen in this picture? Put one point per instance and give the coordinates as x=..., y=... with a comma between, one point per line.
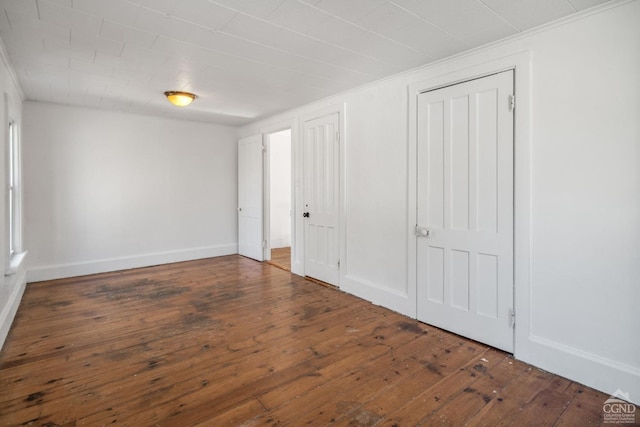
x=465, y=209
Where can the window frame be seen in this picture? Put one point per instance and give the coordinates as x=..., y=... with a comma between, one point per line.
x=12, y=189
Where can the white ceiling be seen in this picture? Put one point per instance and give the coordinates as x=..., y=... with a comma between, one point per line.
x=245, y=59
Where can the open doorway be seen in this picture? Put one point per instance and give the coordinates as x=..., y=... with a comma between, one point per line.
x=278, y=224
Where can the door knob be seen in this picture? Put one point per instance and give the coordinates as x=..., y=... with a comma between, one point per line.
x=422, y=231
x=305, y=215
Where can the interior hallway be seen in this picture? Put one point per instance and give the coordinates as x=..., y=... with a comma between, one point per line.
x=281, y=257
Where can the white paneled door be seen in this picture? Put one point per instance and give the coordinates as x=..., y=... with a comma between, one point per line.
x=465, y=209
x=250, y=191
x=321, y=198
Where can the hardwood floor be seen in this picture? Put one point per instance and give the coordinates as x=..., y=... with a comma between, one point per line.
x=281, y=257
x=229, y=341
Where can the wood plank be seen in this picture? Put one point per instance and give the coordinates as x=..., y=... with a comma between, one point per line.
x=467, y=402
x=346, y=405
x=584, y=409
x=432, y=398
x=281, y=257
x=507, y=408
x=230, y=341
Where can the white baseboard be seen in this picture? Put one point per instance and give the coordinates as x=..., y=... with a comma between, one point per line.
x=60, y=271
x=591, y=370
x=280, y=243
x=392, y=299
x=18, y=283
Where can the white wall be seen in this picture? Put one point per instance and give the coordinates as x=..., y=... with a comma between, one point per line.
x=11, y=286
x=107, y=191
x=280, y=188
x=579, y=258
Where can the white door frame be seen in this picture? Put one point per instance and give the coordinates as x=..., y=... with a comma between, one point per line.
x=341, y=110
x=278, y=127
x=520, y=63
x=266, y=142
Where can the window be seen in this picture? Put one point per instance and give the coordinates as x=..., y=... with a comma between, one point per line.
x=14, y=253
x=12, y=181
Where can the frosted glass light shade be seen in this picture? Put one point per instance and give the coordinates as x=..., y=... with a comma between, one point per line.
x=180, y=99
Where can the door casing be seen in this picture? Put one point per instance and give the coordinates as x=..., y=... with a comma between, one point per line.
x=267, y=194
x=469, y=69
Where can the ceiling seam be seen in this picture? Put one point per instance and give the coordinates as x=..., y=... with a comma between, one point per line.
x=427, y=58
x=312, y=38
x=499, y=16
x=575, y=9
x=204, y=27
x=430, y=23
x=368, y=30
x=264, y=63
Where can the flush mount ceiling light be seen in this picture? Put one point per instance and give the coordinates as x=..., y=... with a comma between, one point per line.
x=180, y=99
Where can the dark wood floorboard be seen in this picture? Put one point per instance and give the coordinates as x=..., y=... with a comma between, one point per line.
x=229, y=341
